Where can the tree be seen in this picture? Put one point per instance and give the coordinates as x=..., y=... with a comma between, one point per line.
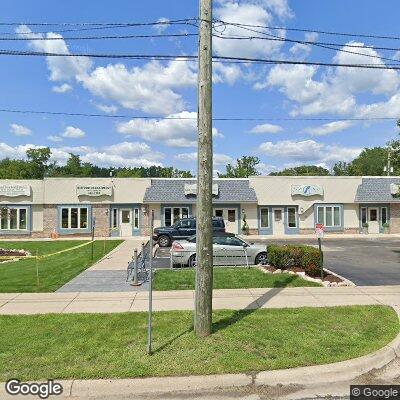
x=303, y=170
x=39, y=161
x=370, y=162
x=245, y=166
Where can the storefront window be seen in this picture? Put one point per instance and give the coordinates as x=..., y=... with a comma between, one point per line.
x=292, y=217
x=136, y=218
x=114, y=218
x=22, y=218
x=231, y=215
x=74, y=217
x=384, y=215
x=264, y=218
x=13, y=218
x=167, y=217
x=173, y=215
x=330, y=216
x=364, y=215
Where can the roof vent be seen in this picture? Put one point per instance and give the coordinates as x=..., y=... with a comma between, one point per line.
x=191, y=189
x=394, y=189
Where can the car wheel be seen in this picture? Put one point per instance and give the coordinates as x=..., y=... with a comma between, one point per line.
x=164, y=241
x=192, y=261
x=262, y=258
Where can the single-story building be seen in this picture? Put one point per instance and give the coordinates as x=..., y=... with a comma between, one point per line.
x=270, y=205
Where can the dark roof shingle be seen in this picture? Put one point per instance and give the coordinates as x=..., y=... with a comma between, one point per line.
x=377, y=189
x=173, y=191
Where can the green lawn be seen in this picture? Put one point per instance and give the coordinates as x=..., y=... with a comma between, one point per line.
x=84, y=346
x=228, y=278
x=54, y=271
x=41, y=247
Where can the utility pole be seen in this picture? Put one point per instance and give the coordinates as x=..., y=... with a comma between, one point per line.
x=389, y=169
x=204, y=232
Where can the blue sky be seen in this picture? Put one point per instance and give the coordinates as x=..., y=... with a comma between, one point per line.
x=160, y=88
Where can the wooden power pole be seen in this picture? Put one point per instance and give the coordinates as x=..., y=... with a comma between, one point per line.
x=204, y=250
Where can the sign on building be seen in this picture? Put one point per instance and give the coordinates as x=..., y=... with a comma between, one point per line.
x=191, y=189
x=94, y=190
x=15, y=190
x=307, y=190
x=395, y=189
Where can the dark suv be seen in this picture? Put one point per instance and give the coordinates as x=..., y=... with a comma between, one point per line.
x=183, y=229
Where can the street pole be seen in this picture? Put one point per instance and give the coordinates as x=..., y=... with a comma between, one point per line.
x=204, y=250
x=150, y=322
x=321, y=256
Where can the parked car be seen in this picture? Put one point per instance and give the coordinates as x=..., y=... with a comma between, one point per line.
x=183, y=229
x=228, y=249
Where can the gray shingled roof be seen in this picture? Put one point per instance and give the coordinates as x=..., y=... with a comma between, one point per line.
x=376, y=189
x=172, y=191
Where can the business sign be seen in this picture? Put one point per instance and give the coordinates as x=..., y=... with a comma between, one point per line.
x=94, y=190
x=15, y=190
x=319, y=230
x=395, y=189
x=307, y=190
x=191, y=189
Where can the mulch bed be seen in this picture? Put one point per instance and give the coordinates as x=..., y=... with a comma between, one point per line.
x=12, y=253
x=327, y=277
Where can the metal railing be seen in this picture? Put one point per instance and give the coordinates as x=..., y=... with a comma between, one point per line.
x=138, y=269
x=221, y=258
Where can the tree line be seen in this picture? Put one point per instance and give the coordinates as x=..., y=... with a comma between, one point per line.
x=38, y=165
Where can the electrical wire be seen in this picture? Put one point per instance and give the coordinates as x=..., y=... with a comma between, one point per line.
x=311, y=43
x=124, y=116
x=321, y=32
x=167, y=57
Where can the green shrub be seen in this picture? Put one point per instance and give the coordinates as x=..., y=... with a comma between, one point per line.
x=287, y=256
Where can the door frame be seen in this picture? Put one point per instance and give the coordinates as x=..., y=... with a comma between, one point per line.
x=377, y=218
x=282, y=209
x=121, y=210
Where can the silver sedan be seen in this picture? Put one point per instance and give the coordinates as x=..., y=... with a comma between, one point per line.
x=228, y=249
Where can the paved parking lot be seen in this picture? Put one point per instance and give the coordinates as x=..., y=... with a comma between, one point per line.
x=365, y=261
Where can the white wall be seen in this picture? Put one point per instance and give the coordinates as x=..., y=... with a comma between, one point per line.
x=36, y=196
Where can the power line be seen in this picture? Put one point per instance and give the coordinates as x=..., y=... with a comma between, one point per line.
x=166, y=57
x=117, y=24
x=125, y=116
x=100, y=37
x=357, y=46
x=318, y=31
x=312, y=43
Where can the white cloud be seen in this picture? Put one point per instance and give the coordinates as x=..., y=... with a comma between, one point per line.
x=71, y=132
x=337, y=88
x=55, y=138
x=20, y=130
x=164, y=24
x=218, y=159
x=251, y=12
x=309, y=151
x=126, y=154
x=149, y=88
x=65, y=87
x=331, y=127
x=179, y=132
x=300, y=50
x=224, y=73
x=61, y=68
x=266, y=128
x=107, y=109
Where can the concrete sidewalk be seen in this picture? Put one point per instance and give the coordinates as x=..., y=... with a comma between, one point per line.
x=237, y=299
x=328, y=236
x=109, y=273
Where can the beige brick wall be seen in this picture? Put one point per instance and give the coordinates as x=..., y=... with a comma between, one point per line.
x=102, y=214
x=395, y=218
x=49, y=221
x=145, y=220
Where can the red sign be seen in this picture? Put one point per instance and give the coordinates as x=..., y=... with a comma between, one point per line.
x=319, y=230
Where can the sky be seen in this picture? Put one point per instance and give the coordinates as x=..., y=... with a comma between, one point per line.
x=159, y=89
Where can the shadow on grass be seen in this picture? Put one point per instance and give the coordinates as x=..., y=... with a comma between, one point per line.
x=285, y=281
x=238, y=315
x=172, y=340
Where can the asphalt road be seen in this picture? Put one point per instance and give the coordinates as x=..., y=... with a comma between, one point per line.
x=365, y=261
